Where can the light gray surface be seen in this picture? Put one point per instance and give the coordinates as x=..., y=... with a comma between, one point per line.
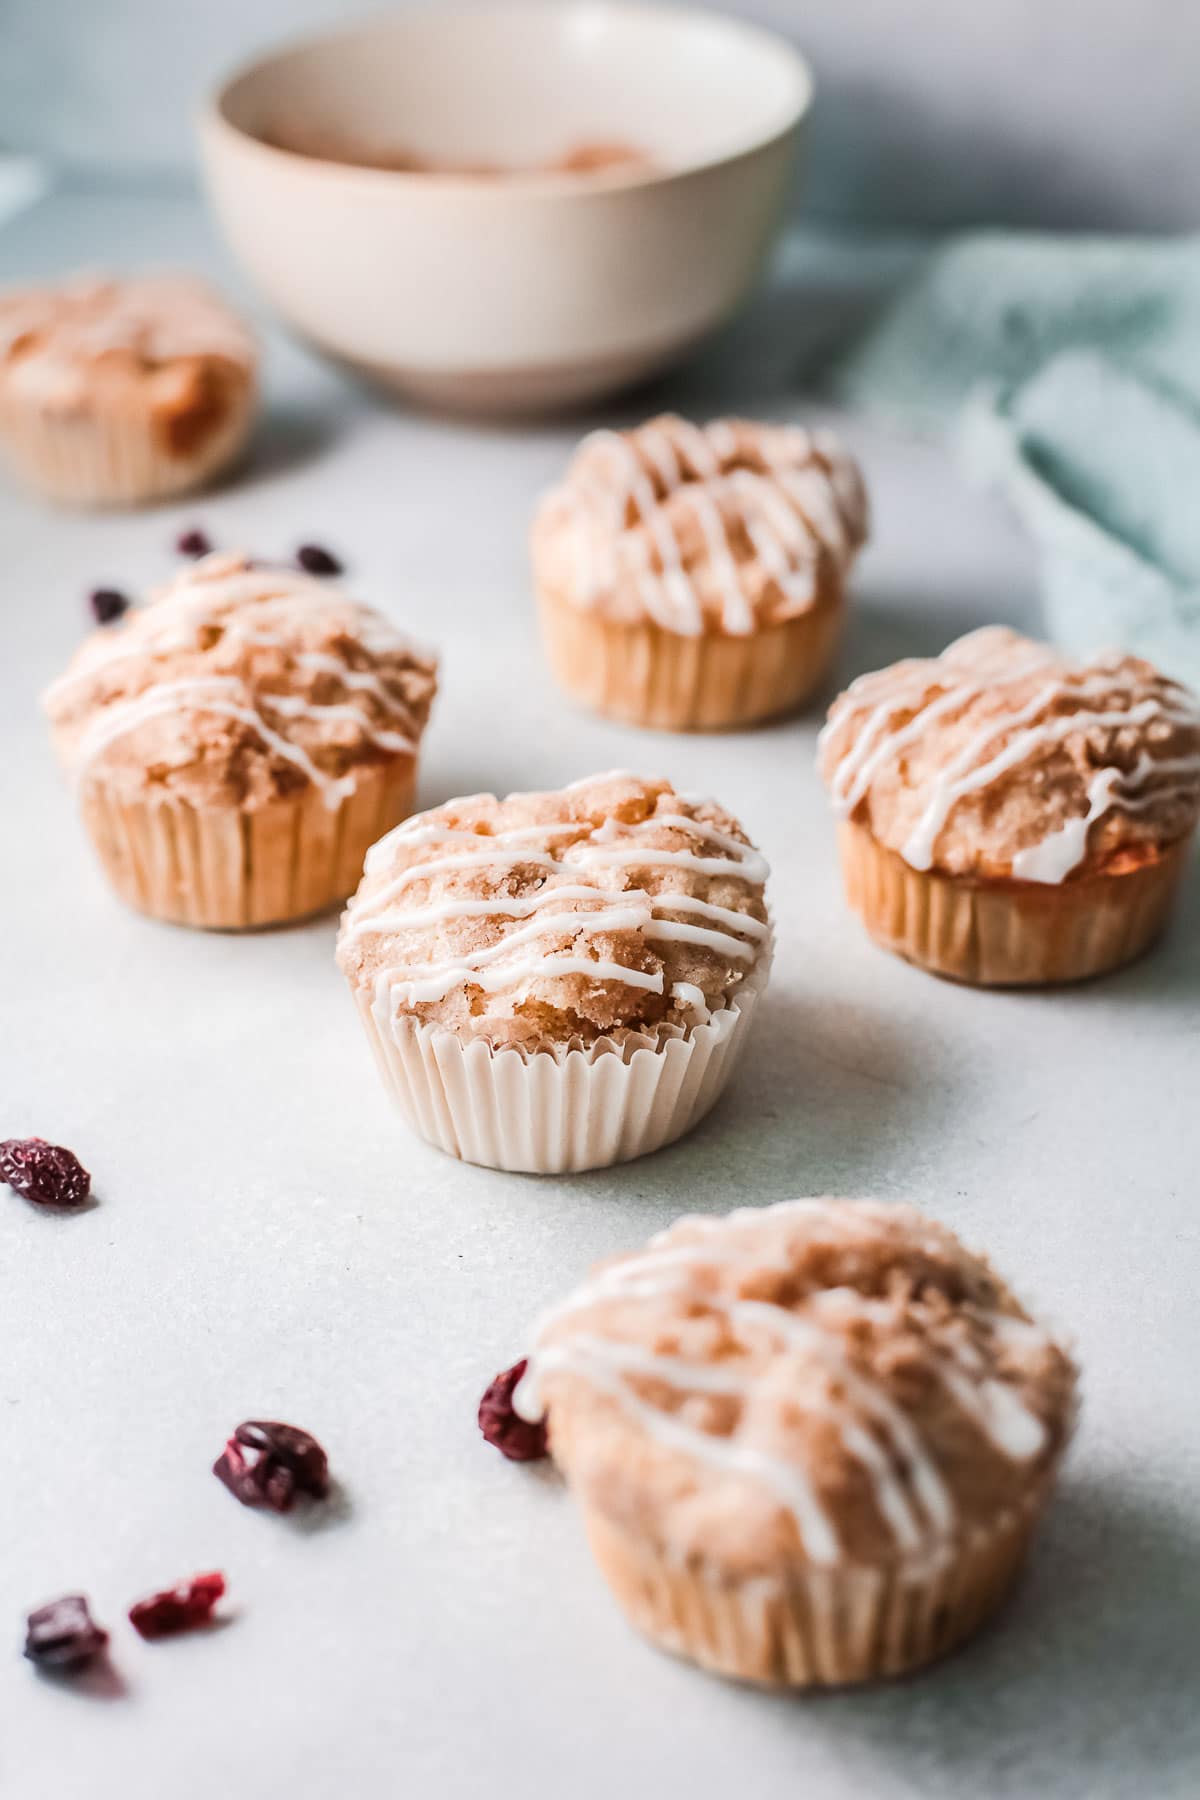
x=269, y=1241
x=1042, y=111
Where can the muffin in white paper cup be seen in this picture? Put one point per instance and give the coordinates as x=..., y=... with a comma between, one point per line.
x=559, y=981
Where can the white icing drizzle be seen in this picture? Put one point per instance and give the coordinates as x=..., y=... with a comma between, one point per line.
x=223, y=592
x=685, y=610
x=722, y=437
x=879, y=741
x=909, y=1491
x=782, y=541
x=905, y=1450
x=990, y=662
x=787, y=1481
x=210, y=595
x=751, y=868
x=577, y=909
x=807, y=496
x=670, y=931
x=997, y=1410
x=423, y=982
x=817, y=500
x=737, y=614
x=699, y=446
x=1052, y=859
x=967, y=773
x=364, y=923
x=159, y=316
x=294, y=706
x=994, y=1405
x=416, y=831
x=692, y=998
x=360, y=681
x=201, y=694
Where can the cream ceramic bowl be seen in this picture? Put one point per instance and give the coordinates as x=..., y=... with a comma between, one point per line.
x=531, y=290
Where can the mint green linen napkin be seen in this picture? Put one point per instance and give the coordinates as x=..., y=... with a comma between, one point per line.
x=1068, y=371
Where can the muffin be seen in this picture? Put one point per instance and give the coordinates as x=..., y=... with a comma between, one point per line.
x=810, y=1441
x=240, y=742
x=692, y=577
x=1010, y=816
x=117, y=392
x=559, y=981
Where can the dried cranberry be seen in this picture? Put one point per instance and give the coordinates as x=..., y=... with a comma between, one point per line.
x=316, y=561
x=521, y=1440
x=181, y=1608
x=107, y=604
x=193, y=543
x=44, y=1173
x=63, y=1635
x=287, y=1462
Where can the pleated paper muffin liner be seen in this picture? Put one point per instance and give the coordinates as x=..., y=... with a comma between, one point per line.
x=639, y=673
x=818, y=1627
x=550, y=1113
x=229, y=869
x=109, y=457
x=1009, y=933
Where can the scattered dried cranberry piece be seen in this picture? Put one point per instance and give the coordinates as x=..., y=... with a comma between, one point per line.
x=193, y=543
x=181, y=1608
x=316, y=561
x=107, y=604
x=63, y=1635
x=287, y=1462
x=521, y=1440
x=44, y=1173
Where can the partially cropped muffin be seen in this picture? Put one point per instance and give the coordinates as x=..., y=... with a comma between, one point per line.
x=810, y=1441
x=694, y=576
x=240, y=742
x=1010, y=816
x=117, y=392
x=562, y=980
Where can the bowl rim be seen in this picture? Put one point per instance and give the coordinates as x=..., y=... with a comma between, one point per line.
x=214, y=118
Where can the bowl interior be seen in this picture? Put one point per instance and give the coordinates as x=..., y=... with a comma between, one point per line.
x=522, y=84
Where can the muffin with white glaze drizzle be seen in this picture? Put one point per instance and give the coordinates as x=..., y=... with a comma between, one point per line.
x=117, y=392
x=693, y=576
x=559, y=980
x=810, y=1441
x=239, y=742
x=1010, y=816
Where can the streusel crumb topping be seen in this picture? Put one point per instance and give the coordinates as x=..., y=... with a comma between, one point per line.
x=237, y=684
x=829, y=1380
x=614, y=906
x=724, y=527
x=133, y=326
x=1003, y=757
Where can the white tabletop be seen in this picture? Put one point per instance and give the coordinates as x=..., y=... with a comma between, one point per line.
x=268, y=1240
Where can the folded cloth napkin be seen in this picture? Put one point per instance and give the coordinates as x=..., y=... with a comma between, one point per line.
x=1069, y=371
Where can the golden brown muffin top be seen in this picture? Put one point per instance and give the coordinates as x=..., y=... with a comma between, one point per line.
x=725, y=527
x=131, y=326
x=237, y=684
x=825, y=1381
x=613, y=907
x=1003, y=757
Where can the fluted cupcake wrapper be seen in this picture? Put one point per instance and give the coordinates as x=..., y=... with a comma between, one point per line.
x=819, y=1627
x=229, y=869
x=548, y=1114
x=109, y=457
x=1008, y=933
x=637, y=672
